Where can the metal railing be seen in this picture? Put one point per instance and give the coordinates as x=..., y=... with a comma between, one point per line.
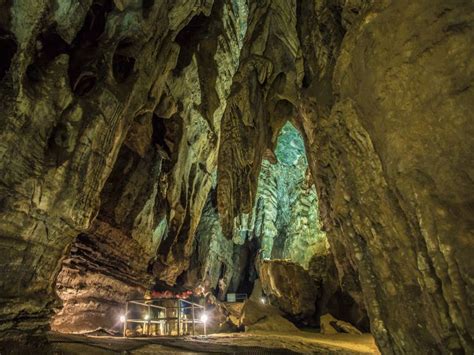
x=160, y=319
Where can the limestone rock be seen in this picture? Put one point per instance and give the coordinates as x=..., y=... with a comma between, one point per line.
x=289, y=287
x=83, y=80
x=201, y=82
x=257, y=291
x=391, y=176
x=264, y=86
x=272, y=323
x=286, y=216
x=383, y=173
x=256, y=316
x=331, y=325
x=334, y=297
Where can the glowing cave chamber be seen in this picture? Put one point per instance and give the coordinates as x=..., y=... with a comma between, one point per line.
x=286, y=218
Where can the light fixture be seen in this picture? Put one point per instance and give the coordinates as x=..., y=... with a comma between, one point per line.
x=263, y=300
x=147, y=317
x=204, y=318
x=122, y=318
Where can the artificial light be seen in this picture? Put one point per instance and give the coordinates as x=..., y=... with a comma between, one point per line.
x=204, y=318
x=122, y=318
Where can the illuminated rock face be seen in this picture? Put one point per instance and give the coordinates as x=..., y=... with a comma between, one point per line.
x=110, y=115
x=115, y=114
x=390, y=174
x=289, y=287
x=284, y=224
x=152, y=201
x=285, y=215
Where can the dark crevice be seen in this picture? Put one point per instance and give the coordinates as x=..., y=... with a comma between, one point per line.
x=159, y=133
x=146, y=7
x=167, y=135
x=246, y=257
x=84, y=59
x=123, y=64
x=188, y=39
x=8, y=48
x=49, y=45
x=59, y=145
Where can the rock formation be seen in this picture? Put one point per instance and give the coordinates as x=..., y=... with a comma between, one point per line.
x=139, y=144
x=289, y=287
x=98, y=87
x=258, y=317
x=384, y=162
x=285, y=214
x=331, y=325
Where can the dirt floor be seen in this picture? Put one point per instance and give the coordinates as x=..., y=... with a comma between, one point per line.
x=232, y=343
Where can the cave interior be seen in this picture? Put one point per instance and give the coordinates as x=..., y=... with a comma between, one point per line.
x=313, y=159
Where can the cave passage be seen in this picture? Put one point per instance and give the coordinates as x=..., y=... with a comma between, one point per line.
x=300, y=172
x=286, y=215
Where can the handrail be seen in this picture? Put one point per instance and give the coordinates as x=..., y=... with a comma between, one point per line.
x=180, y=319
x=146, y=304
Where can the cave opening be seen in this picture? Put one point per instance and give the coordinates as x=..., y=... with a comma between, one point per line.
x=286, y=213
x=280, y=253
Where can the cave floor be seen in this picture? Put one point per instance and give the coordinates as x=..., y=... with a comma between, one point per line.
x=237, y=343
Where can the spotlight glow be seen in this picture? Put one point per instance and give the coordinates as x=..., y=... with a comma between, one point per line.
x=122, y=318
x=147, y=317
x=263, y=300
x=204, y=318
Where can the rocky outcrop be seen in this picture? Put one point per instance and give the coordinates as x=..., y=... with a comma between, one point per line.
x=331, y=325
x=289, y=287
x=263, y=317
x=78, y=81
x=390, y=174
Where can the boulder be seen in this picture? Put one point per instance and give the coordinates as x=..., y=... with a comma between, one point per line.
x=289, y=287
x=331, y=325
x=264, y=317
x=272, y=323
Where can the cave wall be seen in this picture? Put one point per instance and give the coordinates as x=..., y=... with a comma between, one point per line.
x=395, y=173
x=109, y=263
x=384, y=103
x=82, y=83
x=155, y=194
x=262, y=91
x=200, y=86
